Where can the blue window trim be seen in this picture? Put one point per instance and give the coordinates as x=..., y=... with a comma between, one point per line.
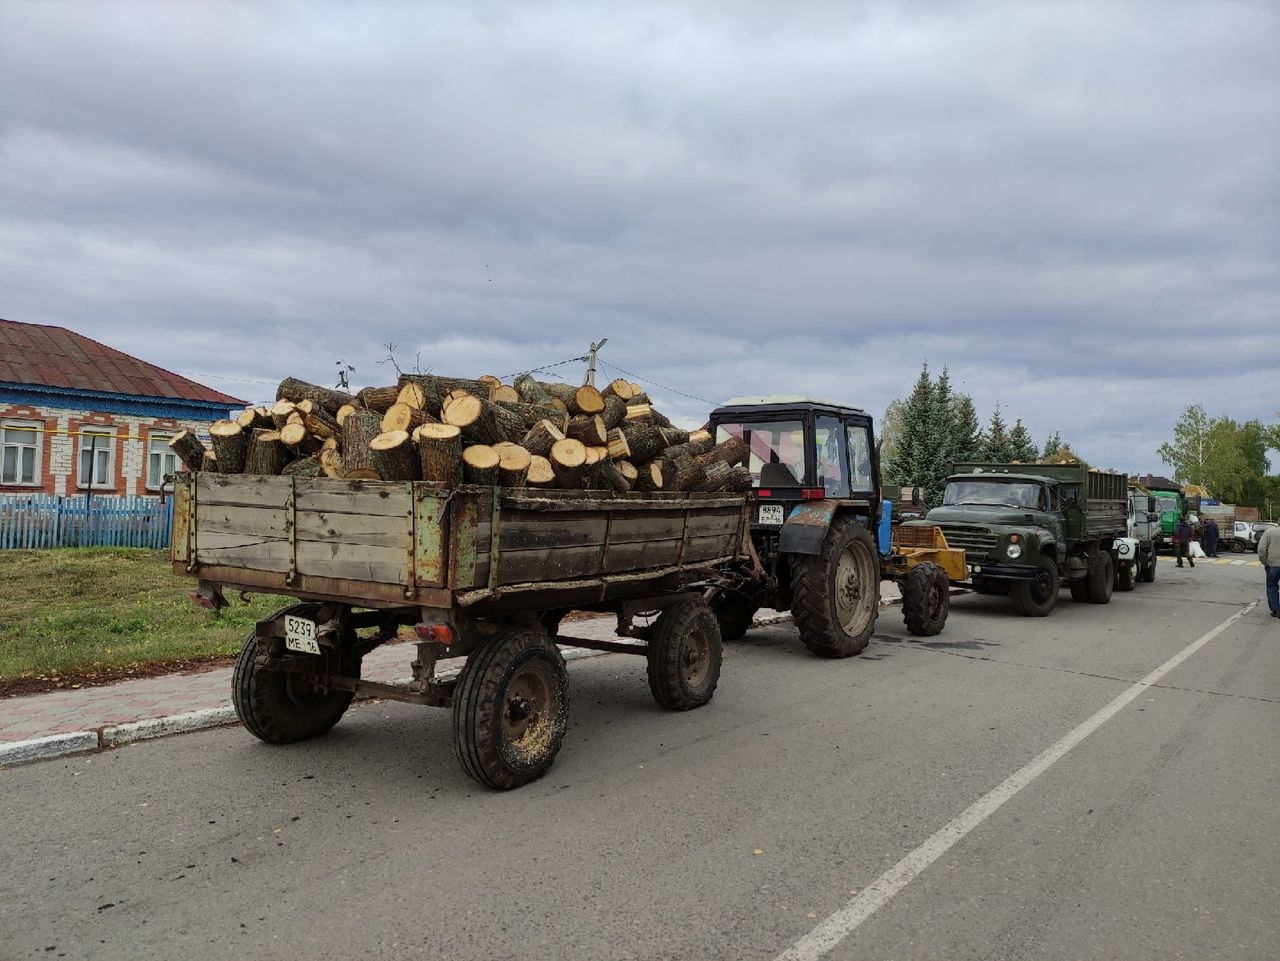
x=105, y=402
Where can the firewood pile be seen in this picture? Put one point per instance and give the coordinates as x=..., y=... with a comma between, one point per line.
x=453, y=431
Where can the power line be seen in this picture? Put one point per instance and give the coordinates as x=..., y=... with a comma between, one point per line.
x=535, y=370
x=673, y=390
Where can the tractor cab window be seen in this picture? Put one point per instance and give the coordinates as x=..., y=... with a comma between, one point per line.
x=833, y=467
x=770, y=442
x=860, y=458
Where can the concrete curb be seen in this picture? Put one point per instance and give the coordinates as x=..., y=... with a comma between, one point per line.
x=41, y=748
x=163, y=726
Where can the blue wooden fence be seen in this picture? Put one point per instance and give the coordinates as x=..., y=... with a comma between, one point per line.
x=35, y=521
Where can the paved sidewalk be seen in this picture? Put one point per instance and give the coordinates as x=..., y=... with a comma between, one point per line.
x=40, y=726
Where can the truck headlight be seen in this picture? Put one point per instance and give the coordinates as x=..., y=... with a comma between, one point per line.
x=1014, y=550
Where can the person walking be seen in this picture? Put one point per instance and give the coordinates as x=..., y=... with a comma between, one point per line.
x=1269, y=558
x=1211, y=537
x=1182, y=541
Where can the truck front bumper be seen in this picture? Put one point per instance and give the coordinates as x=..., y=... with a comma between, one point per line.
x=1002, y=572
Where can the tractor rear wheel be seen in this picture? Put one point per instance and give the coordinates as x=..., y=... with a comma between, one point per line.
x=835, y=594
x=926, y=599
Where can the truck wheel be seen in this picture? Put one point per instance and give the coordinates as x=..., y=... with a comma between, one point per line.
x=1126, y=578
x=835, y=595
x=1079, y=589
x=511, y=709
x=734, y=614
x=1148, y=572
x=926, y=599
x=1102, y=577
x=1237, y=546
x=281, y=707
x=684, y=656
x=1039, y=595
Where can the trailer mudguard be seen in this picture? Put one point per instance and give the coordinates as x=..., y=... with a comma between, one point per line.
x=806, y=528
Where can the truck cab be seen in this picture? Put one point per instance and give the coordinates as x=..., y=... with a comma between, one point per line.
x=815, y=515
x=1026, y=528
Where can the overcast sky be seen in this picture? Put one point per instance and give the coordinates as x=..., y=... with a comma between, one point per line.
x=1075, y=206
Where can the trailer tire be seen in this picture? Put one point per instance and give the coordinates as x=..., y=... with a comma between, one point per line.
x=684, y=656
x=735, y=615
x=1102, y=577
x=926, y=599
x=281, y=707
x=1039, y=596
x=1148, y=572
x=511, y=709
x=835, y=594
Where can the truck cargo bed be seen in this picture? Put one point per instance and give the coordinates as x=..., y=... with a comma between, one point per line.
x=489, y=550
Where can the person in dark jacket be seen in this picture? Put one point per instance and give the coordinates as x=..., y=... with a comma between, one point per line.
x=1211, y=537
x=1182, y=541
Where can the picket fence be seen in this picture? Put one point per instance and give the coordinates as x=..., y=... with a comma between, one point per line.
x=36, y=521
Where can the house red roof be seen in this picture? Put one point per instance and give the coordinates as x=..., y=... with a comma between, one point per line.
x=56, y=357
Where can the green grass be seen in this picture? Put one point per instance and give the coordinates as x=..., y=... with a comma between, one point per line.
x=79, y=609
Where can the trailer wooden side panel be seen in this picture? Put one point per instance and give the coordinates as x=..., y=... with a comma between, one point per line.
x=377, y=543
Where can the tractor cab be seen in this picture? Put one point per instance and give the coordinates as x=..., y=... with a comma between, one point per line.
x=803, y=450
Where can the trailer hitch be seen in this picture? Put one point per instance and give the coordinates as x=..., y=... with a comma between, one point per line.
x=209, y=596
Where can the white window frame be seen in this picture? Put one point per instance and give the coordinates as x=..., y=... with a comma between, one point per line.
x=102, y=433
x=37, y=477
x=152, y=437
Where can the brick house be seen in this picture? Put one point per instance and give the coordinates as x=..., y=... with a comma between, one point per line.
x=74, y=411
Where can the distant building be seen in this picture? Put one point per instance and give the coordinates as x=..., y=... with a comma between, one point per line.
x=73, y=411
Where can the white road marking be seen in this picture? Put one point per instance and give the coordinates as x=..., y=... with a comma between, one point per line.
x=834, y=929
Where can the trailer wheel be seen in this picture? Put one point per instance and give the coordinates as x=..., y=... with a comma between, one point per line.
x=735, y=615
x=835, y=594
x=511, y=709
x=1148, y=572
x=1102, y=577
x=1038, y=596
x=281, y=707
x=926, y=599
x=684, y=656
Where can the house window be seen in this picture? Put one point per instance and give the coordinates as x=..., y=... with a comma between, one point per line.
x=20, y=455
x=96, y=455
x=161, y=460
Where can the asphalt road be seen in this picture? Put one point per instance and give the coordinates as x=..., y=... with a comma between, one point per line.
x=1157, y=835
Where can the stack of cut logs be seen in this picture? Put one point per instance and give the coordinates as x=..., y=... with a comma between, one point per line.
x=452, y=431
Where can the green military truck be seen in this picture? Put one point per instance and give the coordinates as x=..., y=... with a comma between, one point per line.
x=1027, y=528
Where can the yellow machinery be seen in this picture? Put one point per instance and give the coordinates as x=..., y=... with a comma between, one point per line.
x=914, y=545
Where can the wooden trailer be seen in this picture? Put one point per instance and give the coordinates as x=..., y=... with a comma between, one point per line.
x=481, y=572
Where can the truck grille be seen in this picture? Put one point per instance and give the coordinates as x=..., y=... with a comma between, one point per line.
x=976, y=539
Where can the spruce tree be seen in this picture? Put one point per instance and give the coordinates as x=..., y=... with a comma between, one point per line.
x=914, y=448
x=1052, y=445
x=966, y=432
x=1021, y=446
x=941, y=440
x=997, y=449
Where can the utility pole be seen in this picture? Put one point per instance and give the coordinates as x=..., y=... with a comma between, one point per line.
x=590, y=380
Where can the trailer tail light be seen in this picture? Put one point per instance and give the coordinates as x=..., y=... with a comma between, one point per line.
x=435, y=634
x=812, y=493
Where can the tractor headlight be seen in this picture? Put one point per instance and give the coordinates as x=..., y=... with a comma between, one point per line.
x=1014, y=550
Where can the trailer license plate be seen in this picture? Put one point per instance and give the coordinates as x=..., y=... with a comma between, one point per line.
x=300, y=635
x=771, y=514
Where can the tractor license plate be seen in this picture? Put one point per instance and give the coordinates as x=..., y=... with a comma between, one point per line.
x=771, y=514
x=300, y=635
